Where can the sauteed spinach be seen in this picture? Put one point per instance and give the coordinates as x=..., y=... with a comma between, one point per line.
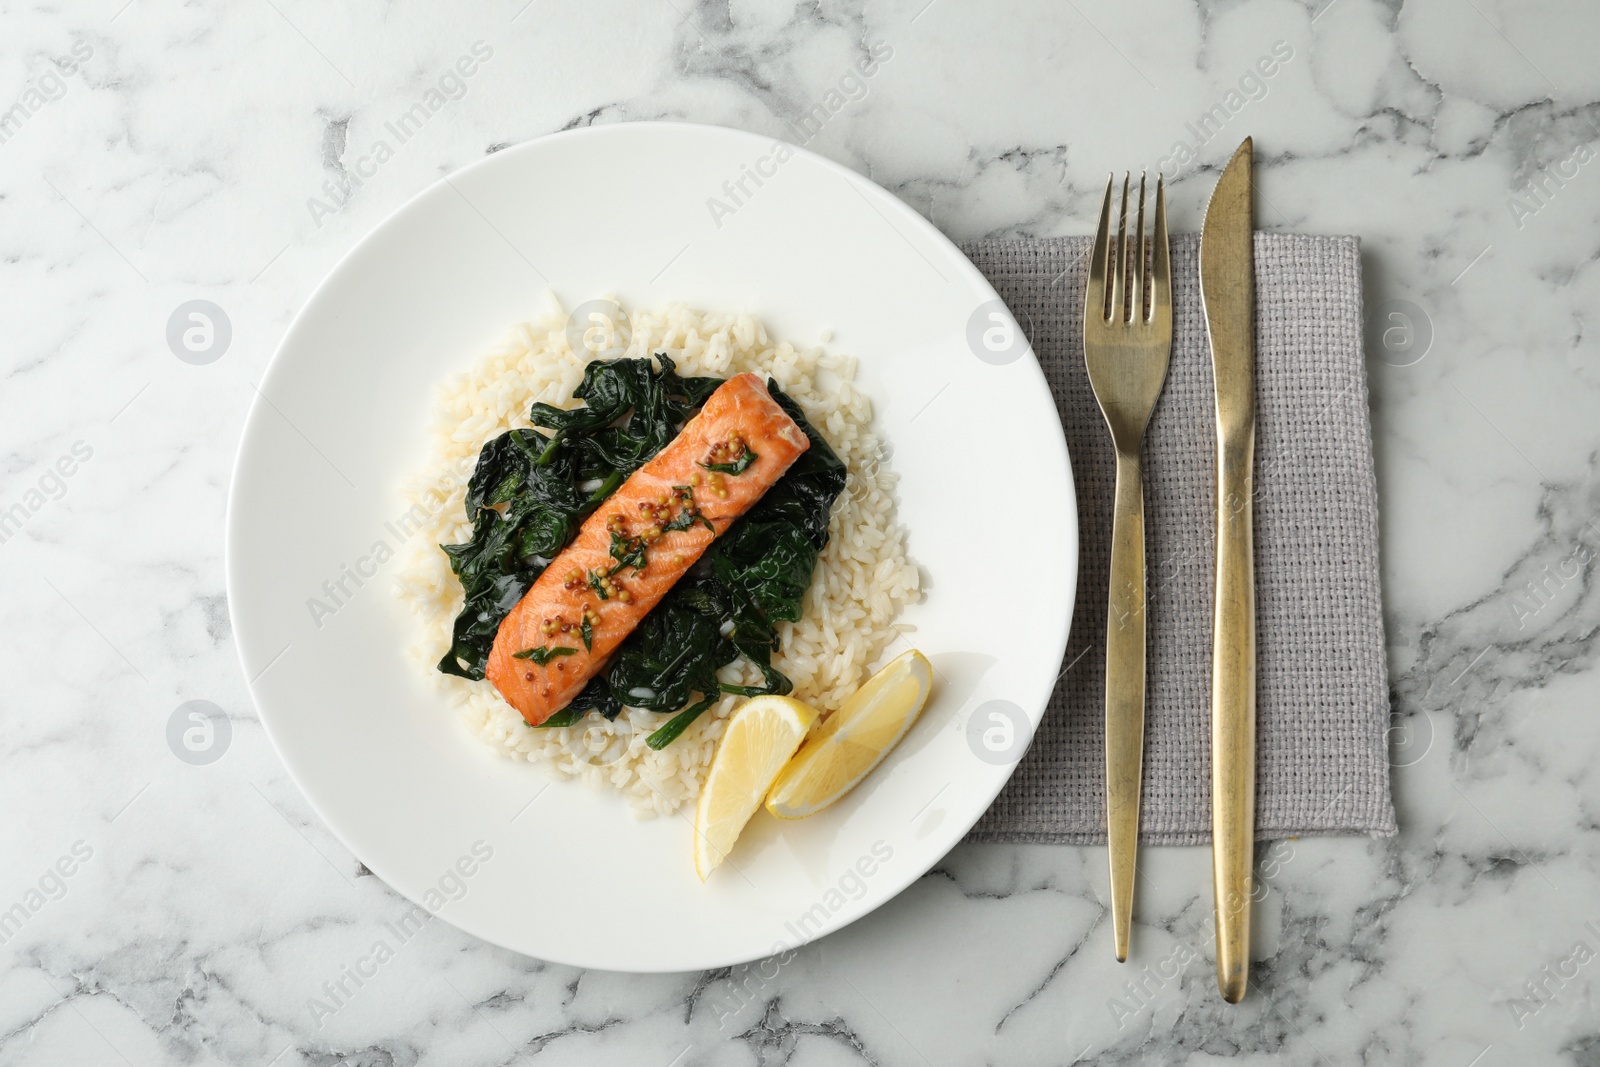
x=530, y=493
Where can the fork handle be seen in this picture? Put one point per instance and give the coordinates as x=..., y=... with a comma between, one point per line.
x=1233, y=720
x=1125, y=650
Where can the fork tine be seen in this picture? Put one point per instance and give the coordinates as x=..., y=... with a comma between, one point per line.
x=1095, y=300
x=1136, y=313
x=1119, y=281
x=1161, y=268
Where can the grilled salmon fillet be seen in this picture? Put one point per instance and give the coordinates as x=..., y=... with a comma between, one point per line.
x=664, y=516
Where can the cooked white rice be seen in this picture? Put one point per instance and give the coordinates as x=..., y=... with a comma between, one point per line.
x=861, y=582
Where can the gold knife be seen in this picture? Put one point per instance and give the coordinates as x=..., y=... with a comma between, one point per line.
x=1227, y=289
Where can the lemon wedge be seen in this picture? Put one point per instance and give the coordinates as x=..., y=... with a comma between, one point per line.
x=854, y=740
x=759, y=740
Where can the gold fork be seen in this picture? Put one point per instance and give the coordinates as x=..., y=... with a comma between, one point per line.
x=1126, y=345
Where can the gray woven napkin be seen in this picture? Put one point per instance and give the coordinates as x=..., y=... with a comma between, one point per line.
x=1321, y=692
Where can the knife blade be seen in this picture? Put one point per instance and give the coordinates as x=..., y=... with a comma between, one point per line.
x=1227, y=288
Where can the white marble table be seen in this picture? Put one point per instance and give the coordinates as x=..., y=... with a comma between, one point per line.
x=172, y=913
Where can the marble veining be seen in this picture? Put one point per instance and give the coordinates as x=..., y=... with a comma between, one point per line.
x=154, y=154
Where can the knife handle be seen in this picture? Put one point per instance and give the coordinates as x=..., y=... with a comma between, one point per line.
x=1125, y=681
x=1233, y=720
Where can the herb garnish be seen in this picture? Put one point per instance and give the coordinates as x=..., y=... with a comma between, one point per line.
x=543, y=655
x=588, y=634
x=627, y=551
x=738, y=466
x=687, y=518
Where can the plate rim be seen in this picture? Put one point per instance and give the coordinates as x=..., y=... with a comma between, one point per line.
x=232, y=533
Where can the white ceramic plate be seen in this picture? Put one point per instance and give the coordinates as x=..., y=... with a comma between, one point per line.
x=986, y=493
